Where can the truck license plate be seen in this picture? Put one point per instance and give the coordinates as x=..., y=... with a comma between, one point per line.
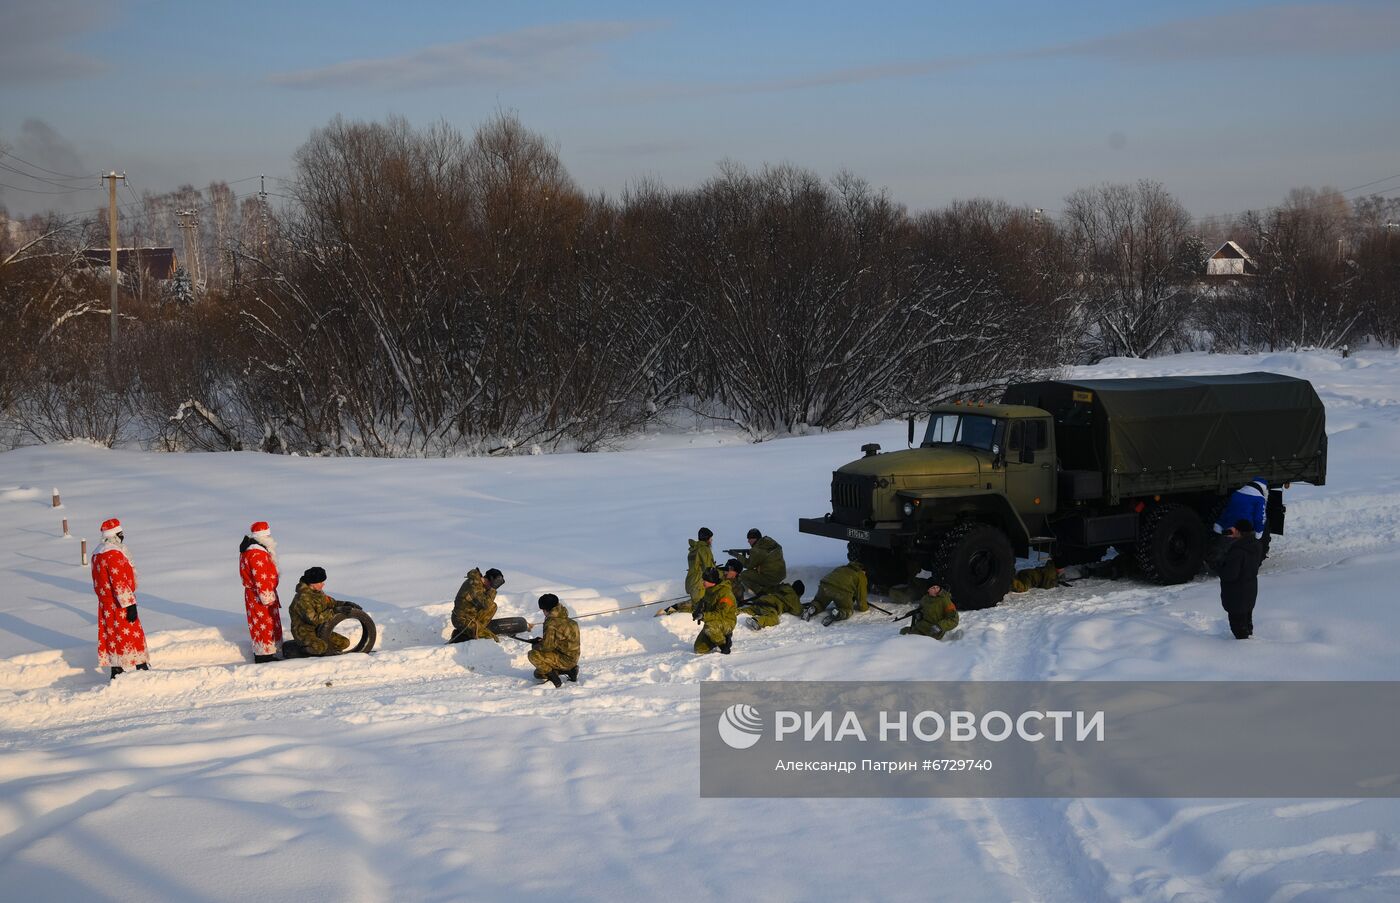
x=853, y=533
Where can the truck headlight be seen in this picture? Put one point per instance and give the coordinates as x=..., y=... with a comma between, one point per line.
x=908, y=509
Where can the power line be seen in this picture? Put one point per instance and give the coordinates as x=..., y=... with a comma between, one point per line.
x=1369, y=184
x=61, y=175
x=39, y=191
x=29, y=175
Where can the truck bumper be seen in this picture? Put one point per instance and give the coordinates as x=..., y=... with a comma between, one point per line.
x=866, y=536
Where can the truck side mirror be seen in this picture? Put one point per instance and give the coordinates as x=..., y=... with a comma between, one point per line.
x=911, y=431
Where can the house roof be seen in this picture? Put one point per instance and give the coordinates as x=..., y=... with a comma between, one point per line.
x=1230, y=250
x=157, y=263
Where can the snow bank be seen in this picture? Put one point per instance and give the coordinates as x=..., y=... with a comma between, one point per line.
x=433, y=772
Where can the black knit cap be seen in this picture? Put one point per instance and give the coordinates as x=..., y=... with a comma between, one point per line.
x=705, y=534
x=711, y=575
x=314, y=575
x=548, y=601
x=755, y=533
x=495, y=578
x=734, y=565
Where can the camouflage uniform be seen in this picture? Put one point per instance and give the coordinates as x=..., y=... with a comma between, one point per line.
x=936, y=616
x=559, y=648
x=764, y=567
x=699, y=557
x=769, y=608
x=719, y=615
x=1047, y=576
x=310, y=609
x=474, y=607
x=847, y=586
x=912, y=592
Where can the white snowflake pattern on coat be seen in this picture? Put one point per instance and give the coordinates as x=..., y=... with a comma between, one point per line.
x=120, y=643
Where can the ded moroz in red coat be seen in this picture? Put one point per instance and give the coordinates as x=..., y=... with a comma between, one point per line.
x=257, y=564
x=120, y=643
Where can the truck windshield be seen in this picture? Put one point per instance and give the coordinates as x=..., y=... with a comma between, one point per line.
x=973, y=430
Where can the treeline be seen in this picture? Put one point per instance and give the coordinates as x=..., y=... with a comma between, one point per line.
x=427, y=292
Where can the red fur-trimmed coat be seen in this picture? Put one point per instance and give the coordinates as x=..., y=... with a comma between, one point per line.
x=257, y=565
x=120, y=643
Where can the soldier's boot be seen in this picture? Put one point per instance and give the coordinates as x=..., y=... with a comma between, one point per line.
x=799, y=587
x=752, y=624
x=572, y=674
x=553, y=677
x=830, y=619
x=116, y=669
x=808, y=612
x=728, y=645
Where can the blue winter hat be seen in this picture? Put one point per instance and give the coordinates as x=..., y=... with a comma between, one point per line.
x=1261, y=481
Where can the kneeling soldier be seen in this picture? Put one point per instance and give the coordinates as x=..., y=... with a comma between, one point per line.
x=312, y=608
x=475, y=606
x=767, y=610
x=842, y=591
x=935, y=616
x=718, y=613
x=556, y=653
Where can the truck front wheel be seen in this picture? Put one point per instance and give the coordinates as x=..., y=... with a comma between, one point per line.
x=1171, y=544
x=976, y=564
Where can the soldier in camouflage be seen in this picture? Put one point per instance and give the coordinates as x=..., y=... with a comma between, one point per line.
x=556, y=653
x=1046, y=576
x=475, y=606
x=842, y=591
x=700, y=556
x=312, y=608
x=767, y=610
x=764, y=567
x=718, y=614
x=935, y=616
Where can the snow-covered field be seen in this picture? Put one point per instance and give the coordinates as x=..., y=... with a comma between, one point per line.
x=429, y=772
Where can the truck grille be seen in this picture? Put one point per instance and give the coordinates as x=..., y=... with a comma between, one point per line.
x=851, y=498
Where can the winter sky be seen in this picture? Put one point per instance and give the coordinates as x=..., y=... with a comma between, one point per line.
x=1229, y=102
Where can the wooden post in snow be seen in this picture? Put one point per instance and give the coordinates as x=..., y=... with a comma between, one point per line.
x=56, y=502
x=85, y=561
x=65, y=528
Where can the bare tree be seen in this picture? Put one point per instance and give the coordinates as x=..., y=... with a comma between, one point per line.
x=1137, y=259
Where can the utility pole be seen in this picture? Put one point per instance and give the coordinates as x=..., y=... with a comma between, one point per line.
x=262, y=216
x=111, y=178
x=189, y=229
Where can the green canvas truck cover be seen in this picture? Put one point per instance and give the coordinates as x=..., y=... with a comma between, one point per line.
x=1174, y=433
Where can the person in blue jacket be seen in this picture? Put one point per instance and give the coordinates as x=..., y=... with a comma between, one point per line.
x=1246, y=503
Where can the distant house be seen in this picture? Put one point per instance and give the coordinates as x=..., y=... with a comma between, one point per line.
x=150, y=263
x=1230, y=262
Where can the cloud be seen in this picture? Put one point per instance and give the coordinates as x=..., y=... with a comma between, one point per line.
x=33, y=35
x=527, y=54
x=1303, y=30
x=1291, y=30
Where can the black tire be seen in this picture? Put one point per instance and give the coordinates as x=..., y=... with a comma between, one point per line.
x=976, y=564
x=1171, y=544
x=508, y=626
x=368, y=634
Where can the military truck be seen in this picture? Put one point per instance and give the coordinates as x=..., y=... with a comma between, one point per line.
x=1072, y=468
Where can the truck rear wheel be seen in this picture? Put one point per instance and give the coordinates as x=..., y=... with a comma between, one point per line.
x=1171, y=544
x=976, y=564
